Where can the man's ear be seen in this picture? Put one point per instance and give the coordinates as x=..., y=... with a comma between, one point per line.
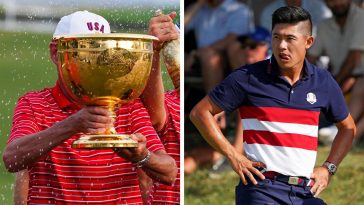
x=309, y=42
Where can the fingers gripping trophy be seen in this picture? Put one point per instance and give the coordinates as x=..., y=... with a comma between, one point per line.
x=105, y=70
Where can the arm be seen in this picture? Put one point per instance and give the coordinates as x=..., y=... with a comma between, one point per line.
x=160, y=166
x=239, y=138
x=153, y=96
x=21, y=188
x=343, y=140
x=351, y=61
x=339, y=149
x=202, y=117
x=22, y=152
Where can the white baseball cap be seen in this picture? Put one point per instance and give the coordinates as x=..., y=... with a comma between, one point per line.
x=81, y=22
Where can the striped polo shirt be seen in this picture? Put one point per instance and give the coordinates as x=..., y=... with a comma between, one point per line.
x=80, y=176
x=170, y=137
x=280, y=121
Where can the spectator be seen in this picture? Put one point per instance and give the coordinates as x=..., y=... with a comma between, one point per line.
x=248, y=49
x=216, y=24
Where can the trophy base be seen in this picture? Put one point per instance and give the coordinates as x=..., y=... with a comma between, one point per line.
x=103, y=141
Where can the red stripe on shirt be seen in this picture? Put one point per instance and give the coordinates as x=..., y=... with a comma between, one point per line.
x=287, y=115
x=280, y=139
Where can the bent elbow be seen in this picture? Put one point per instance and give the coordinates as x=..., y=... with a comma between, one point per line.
x=194, y=115
x=158, y=120
x=9, y=164
x=169, y=181
x=158, y=125
x=172, y=174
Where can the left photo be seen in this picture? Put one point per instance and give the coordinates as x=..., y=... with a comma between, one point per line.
x=90, y=102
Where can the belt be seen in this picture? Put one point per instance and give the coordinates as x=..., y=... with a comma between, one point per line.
x=292, y=180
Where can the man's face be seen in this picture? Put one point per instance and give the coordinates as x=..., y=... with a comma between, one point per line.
x=339, y=8
x=290, y=42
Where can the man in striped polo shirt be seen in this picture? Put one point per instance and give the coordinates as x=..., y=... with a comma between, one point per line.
x=45, y=124
x=280, y=100
x=164, y=110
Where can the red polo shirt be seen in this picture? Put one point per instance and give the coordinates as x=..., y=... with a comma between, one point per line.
x=170, y=136
x=80, y=176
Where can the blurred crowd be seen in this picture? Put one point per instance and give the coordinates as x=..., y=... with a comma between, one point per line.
x=222, y=35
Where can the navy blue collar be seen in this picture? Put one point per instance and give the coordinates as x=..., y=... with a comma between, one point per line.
x=273, y=68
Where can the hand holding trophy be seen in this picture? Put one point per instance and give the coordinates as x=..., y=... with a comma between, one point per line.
x=104, y=70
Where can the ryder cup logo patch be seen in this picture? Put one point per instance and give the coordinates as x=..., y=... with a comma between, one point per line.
x=311, y=98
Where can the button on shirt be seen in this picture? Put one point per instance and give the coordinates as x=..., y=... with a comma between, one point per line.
x=280, y=121
x=214, y=24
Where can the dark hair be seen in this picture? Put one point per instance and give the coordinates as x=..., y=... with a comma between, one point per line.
x=291, y=15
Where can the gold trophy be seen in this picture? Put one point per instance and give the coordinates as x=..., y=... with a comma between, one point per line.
x=104, y=70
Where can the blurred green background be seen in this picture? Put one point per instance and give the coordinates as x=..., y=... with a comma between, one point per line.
x=25, y=66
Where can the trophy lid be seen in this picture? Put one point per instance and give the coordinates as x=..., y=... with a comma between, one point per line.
x=108, y=36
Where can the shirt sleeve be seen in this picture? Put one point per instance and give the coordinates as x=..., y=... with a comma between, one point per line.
x=24, y=122
x=231, y=93
x=336, y=109
x=140, y=123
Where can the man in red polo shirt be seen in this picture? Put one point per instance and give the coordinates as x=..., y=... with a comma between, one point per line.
x=45, y=124
x=164, y=110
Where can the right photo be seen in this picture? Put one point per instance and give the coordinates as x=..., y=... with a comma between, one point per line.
x=274, y=102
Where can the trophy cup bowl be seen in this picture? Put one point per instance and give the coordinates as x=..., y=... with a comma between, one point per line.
x=104, y=70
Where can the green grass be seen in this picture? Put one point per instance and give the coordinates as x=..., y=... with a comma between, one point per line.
x=24, y=66
x=346, y=187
